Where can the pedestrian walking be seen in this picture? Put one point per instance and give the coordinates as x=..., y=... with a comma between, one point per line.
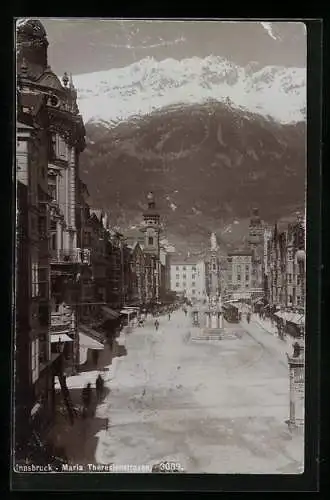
x=99, y=386
x=248, y=317
x=86, y=399
x=169, y=316
x=156, y=324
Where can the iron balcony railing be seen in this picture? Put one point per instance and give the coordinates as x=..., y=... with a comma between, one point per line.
x=63, y=321
x=76, y=256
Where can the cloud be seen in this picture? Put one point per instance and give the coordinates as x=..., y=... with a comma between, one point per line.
x=269, y=29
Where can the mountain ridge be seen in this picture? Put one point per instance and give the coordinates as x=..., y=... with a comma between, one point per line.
x=208, y=165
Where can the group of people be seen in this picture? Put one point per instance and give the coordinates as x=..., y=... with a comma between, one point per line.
x=87, y=395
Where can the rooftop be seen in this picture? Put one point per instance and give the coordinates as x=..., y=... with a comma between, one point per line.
x=239, y=252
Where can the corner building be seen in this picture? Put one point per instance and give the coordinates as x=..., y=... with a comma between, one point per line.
x=50, y=136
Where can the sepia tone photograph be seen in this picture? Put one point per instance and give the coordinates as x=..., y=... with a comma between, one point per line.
x=160, y=246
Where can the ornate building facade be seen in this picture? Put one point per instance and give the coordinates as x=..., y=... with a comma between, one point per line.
x=285, y=266
x=256, y=246
x=50, y=137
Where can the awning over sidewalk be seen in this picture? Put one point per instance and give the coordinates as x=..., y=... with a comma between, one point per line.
x=110, y=313
x=60, y=337
x=87, y=342
x=291, y=317
x=90, y=332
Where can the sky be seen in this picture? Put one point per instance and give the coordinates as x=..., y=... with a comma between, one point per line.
x=88, y=45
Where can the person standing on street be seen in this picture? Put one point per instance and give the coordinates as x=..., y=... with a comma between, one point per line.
x=99, y=385
x=156, y=324
x=169, y=315
x=86, y=399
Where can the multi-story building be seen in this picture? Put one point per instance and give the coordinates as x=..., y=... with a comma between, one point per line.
x=239, y=271
x=266, y=260
x=285, y=266
x=50, y=136
x=116, y=275
x=136, y=290
x=34, y=363
x=188, y=277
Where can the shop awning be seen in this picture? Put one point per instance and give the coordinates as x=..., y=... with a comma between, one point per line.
x=110, y=313
x=129, y=311
x=87, y=342
x=60, y=337
x=90, y=332
x=296, y=318
x=291, y=317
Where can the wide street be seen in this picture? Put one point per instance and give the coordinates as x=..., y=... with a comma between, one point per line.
x=213, y=406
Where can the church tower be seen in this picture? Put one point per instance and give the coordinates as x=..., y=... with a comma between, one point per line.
x=256, y=245
x=151, y=227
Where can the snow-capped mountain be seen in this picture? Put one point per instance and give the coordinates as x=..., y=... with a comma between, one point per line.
x=148, y=85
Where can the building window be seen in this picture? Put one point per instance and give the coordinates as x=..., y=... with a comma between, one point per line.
x=52, y=189
x=184, y=284
x=247, y=277
x=150, y=240
x=247, y=268
x=193, y=292
x=290, y=278
x=193, y=283
x=193, y=276
x=214, y=267
x=184, y=276
x=238, y=269
x=238, y=277
x=35, y=360
x=177, y=276
x=35, y=280
x=193, y=268
x=58, y=147
x=177, y=268
x=229, y=259
x=246, y=285
x=177, y=285
x=184, y=268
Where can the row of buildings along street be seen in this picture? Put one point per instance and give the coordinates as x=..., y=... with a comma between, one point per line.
x=81, y=282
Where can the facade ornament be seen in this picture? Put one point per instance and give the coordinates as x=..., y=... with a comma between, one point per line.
x=65, y=79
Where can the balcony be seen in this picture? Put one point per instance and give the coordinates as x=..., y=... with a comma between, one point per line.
x=75, y=256
x=62, y=321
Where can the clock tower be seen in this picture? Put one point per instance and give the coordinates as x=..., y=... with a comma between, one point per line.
x=151, y=227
